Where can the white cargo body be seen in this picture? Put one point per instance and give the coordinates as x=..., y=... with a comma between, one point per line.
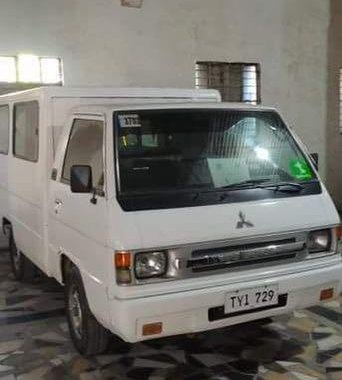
x=163, y=211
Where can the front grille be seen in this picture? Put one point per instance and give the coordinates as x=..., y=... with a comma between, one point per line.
x=245, y=254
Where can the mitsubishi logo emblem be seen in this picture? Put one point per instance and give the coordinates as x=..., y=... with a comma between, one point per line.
x=242, y=222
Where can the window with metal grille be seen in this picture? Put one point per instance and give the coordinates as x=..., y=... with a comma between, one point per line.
x=237, y=82
x=340, y=98
x=26, y=68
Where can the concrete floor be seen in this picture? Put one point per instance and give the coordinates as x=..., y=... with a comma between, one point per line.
x=34, y=344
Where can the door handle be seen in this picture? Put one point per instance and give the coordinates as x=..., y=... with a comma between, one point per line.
x=58, y=205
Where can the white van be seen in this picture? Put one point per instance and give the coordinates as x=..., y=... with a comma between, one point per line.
x=163, y=212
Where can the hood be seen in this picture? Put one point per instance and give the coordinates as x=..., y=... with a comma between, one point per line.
x=169, y=227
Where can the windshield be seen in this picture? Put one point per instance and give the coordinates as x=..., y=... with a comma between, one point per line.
x=204, y=151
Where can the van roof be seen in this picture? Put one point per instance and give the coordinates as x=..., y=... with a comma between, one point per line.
x=122, y=93
x=108, y=108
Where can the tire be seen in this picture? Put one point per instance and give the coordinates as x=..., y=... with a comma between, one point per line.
x=88, y=336
x=22, y=268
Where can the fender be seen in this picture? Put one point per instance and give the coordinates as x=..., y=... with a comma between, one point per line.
x=96, y=291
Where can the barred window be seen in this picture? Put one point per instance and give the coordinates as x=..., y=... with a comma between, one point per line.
x=237, y=82
x=8, y=69
x=26, y=68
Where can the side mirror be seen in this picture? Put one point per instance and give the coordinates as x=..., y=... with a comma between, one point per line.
x=81, y=179
x=315, y=159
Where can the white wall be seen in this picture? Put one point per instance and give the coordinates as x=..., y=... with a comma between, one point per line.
x=103, y=43
x=333, y=133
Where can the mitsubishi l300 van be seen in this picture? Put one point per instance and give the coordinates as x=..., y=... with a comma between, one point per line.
x=163, y=212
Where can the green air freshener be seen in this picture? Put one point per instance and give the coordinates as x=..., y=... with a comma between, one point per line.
x=300, y=169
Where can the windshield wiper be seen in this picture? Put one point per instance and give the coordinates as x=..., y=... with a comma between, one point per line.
x=286, y=187
x=247, y=183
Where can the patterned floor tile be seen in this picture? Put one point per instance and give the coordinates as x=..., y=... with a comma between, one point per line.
x=35, y=344
x=212, y=359
x=330, y=342
x=10, y=346
x=8, y=377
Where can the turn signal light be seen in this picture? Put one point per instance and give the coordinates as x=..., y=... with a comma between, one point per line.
x=122, y=259
x=152, y=329
x=327, y=294
x=339, y=232
x=123, y=262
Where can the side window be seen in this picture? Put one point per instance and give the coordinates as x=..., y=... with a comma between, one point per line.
x=85, y=147
x=26, y=130
x=4, y=129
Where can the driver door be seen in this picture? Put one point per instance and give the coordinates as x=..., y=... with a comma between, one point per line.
x=78, y=226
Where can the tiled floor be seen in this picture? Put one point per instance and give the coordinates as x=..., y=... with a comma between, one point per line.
x=34, y=344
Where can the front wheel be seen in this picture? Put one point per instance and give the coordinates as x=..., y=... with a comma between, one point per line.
x=22, y=268
x=88, y=336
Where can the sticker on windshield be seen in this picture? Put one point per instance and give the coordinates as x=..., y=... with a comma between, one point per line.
x=300, y=169
x=129, y=121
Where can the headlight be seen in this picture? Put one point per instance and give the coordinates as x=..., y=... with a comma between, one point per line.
x=319, y=241
x=150, y=264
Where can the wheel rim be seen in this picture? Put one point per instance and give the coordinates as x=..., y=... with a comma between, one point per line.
x=16, y=258
x=75, y=311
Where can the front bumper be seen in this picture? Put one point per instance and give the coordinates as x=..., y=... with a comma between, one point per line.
x=189, y=311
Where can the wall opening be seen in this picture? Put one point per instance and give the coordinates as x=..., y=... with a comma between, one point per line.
x=237, y=82
x=28, y=71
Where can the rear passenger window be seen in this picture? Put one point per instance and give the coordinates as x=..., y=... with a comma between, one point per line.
x=4, y=129
x=85, y=147
x=26, y=130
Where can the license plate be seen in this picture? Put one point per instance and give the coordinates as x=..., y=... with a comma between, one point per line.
x=249, y=299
